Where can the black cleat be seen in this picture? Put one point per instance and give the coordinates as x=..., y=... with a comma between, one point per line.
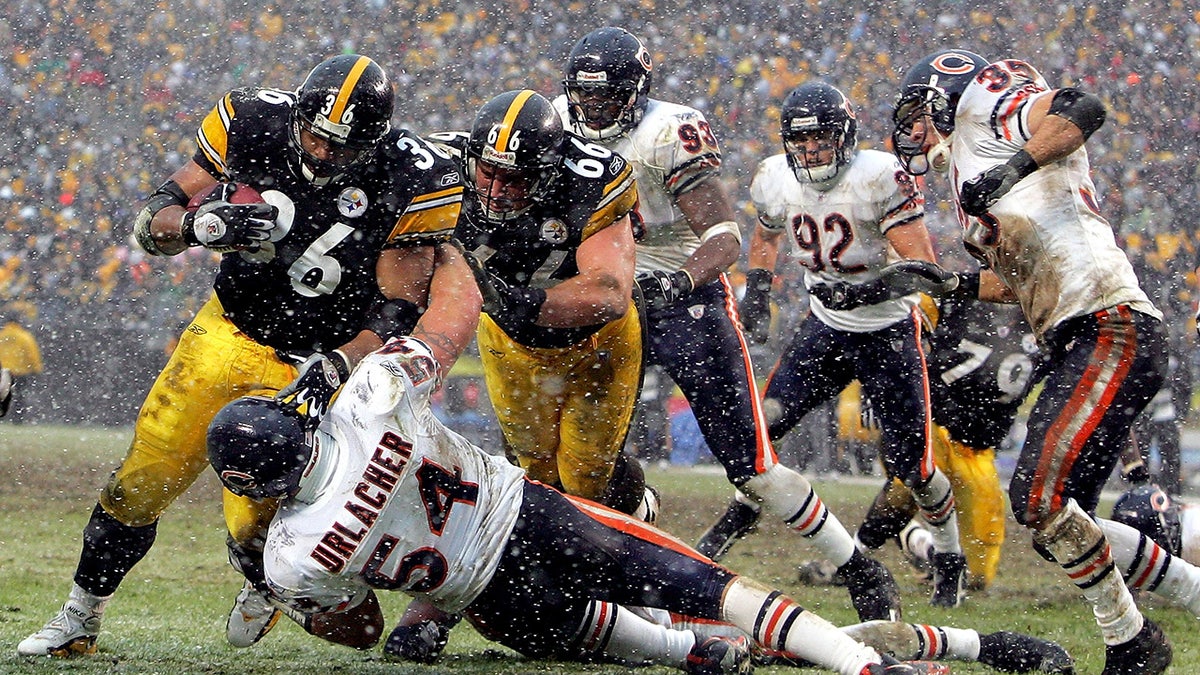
x=949, y=579
x=1148, y=653
x=720, y=656
x=872, y=589
x=1019, y=653
x=738, y=520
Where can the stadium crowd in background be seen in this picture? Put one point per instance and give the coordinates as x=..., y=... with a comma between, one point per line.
x=96, y=96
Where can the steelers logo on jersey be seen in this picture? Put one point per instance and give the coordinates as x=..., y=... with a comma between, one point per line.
x=554, y=231
x=352, y=203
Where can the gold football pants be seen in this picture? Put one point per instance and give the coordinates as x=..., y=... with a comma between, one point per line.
x=213, y=364
x=980, y=502
x=564, y=412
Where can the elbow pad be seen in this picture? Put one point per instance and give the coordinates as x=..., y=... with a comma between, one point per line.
x=168, y=194
x=1084, y=110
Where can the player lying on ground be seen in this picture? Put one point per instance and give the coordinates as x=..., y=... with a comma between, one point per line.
x=383, y=496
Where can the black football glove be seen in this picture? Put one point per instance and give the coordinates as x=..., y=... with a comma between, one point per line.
x=755, y=308
x=662, y=289
x=504, y=303
x=319, y=379
x=980, y=192
x=895, y=281
x=421, y=642
x=222, y=226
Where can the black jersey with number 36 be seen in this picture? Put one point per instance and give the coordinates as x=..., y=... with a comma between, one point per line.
x=980, y=369
x=312, y=283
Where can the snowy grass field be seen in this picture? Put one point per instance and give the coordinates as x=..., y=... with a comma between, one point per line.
x=169, y=615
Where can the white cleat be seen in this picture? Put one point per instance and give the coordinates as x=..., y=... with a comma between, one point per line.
x=72, y=632
x=252, y=617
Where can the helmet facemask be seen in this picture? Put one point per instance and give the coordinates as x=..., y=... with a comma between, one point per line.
x=816, y=155
x=505, y=191
x=923, y=122
x=601, y=110
x=343, y=157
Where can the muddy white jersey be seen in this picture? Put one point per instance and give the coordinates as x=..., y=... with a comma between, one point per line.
x=394, y=500
x=840, y=230
x=1046, y=238
x=672, y=150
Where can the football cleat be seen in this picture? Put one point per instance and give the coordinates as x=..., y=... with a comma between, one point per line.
x=421, y=642
x=72, y=632
x=720, y=656
x=949, y=579
x=252, y=617
x=1148, y=653
x=738, y=521
x=1019, y=653
x=873, y=590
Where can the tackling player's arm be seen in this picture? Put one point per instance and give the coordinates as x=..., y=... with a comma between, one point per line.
x=600, y=292
x=711, y=217
x=448, y=324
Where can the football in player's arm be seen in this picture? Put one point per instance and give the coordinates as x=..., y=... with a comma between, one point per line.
x=336, y=256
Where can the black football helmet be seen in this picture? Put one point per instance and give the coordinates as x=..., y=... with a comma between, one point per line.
x=347, y=102
x=818, y=108
x=258, y=449
x=931, y=90
x=607, y=82
x=512, y=156
x=1149, y=510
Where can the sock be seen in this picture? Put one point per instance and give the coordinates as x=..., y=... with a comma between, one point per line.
x=915, y=641
x=778, y=623
x=936, y=502
x=917, y=541
x=1078, y=545
x=110, y=549
x=618, y=633
x=1146, y=566
x=90, y=601
x=787, y=494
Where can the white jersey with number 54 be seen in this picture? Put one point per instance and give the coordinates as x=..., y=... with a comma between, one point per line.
x=395, y=500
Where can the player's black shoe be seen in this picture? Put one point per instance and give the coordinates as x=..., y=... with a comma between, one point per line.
x=720, y=656
x=872, y=588
x=1019, y=653
x=1148, y=653
x=738, y=520
x=949, y=579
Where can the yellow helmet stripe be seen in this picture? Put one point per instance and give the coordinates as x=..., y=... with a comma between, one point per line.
x=347, y=88
x=510, y=118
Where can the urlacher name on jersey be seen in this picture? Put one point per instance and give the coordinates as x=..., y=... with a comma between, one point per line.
x=379, y=480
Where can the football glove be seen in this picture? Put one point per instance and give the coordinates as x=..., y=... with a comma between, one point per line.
x=505, y=303
x=421, y=642
x=663, y=289
x=319, y=378
x=755, y=308
x=894, y=281
x=222, y=226
x=980, y=192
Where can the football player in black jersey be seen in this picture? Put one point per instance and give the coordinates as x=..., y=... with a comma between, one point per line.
x=981, y=365
x=546, y=224
x=348, y=248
